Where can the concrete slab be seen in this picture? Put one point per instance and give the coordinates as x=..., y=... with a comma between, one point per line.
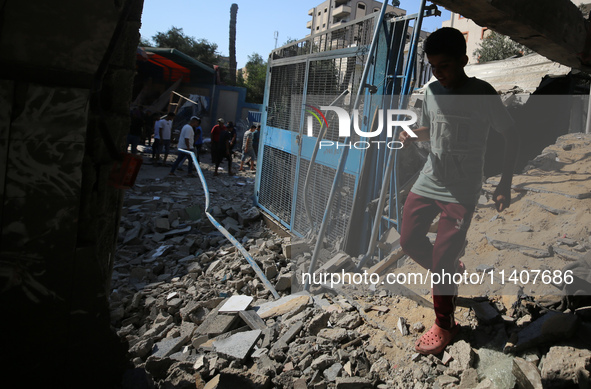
x=168, y=347
x=252, y=319
x=283, y=305
x=236, y=304
x=215, y=324
x=237, y=346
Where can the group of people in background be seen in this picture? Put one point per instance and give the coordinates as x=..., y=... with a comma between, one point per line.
x=223, y=140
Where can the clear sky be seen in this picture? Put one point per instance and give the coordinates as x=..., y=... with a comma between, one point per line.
x=257, y=22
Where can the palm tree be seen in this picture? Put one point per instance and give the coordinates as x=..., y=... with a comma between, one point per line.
x=233, y=64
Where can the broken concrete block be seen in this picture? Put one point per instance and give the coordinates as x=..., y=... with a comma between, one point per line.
x=333, y=334
x=284, y=305
x=161, y=224
x=526, y=374
x=300, y=383
x=284, y=281
x=402, y=326
x=353, y=383
x=167, y=346
x=462, y=354
x=252, y=319
x=446, y=358
x=236, y=304
x=553, y=326
x=178, y=231
x=389, y=240
x=142, y=348
x=565, y=366
x=238, y=345
x=250, y=216
x=288, y=336
x=271, y=270
x=294, y=248
x=215, y=324
x=332, y=372
x=350, y=321
x=381, y=367
x=157, y=237
x=338, y=263
x=322, y=362
x=445, y=379
x=468, y=379
x=485, y=312
x=187, y=329
x=132, y=236
x=213, y=383
x=258, y=353
x=386, y=263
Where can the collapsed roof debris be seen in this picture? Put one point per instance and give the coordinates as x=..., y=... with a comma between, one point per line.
x=195, y=315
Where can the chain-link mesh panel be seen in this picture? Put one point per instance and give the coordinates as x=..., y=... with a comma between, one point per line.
x=327, y=79
x=285, y=96
x=354, y=34
x=319, y=185
x=357, y=34
x=277, y=182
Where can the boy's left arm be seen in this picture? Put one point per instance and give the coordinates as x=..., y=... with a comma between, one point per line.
x=502, y=194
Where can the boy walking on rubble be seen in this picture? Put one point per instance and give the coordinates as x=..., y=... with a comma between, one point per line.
x=457, y=114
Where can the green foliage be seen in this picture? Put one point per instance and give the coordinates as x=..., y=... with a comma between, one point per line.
x=145, y=42
x=200, y=49
x=289, y=41
x=254, y=79
x=497, y=46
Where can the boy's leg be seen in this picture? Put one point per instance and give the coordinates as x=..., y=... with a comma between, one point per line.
x=419, y=213
x=451, y=237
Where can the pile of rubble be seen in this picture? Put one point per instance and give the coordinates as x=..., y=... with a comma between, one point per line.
x=195, y=314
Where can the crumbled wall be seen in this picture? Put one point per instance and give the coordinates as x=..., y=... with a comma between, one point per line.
x=555, y=29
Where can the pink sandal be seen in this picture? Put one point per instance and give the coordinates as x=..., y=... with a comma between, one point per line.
x=436, y=339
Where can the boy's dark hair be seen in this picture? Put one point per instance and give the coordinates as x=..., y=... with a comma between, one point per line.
x=446, y=40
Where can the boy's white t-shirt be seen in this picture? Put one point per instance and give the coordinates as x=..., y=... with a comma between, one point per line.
x=458, y=122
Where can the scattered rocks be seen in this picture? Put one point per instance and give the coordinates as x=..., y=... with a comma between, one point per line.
x=194, y=313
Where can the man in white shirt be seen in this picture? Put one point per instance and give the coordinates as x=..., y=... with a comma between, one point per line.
x=164, y=128
x=186, y=142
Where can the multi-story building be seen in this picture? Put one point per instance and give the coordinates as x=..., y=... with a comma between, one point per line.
x=332, y=13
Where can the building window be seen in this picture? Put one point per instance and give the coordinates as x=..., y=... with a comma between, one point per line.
x=319, y=13
x=360, y=10
x=323, y=25
x=376, y=9
x=325, y=10
x=317, y=28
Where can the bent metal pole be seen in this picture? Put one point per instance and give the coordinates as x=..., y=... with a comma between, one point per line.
x=225, y=232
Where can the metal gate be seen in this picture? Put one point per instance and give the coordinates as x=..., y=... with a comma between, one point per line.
x=312, y=72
